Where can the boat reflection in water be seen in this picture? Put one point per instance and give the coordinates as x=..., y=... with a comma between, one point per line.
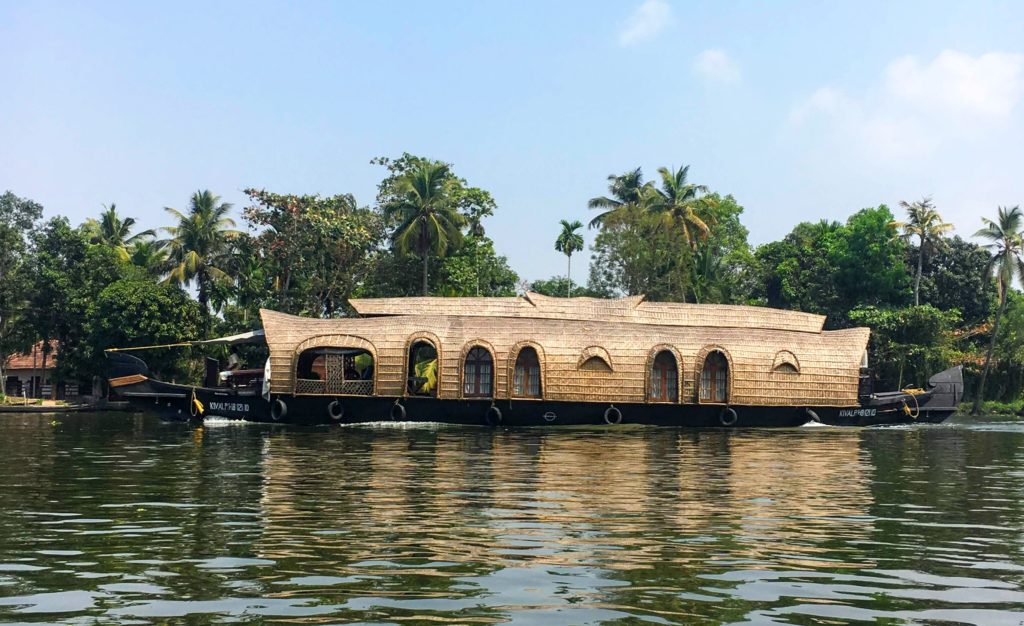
x=454, y=513
x=123, y=519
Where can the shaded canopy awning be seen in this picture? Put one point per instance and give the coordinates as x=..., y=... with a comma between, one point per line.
x=253, y=336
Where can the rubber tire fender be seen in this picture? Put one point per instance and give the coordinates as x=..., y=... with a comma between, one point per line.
x=612, y=415
x=278, y=410
x=397, y=412
x=335, y=410
x=728, y=417
x=493, y=416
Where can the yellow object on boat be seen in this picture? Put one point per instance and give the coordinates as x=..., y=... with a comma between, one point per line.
x=197, y=405
x=428, y=371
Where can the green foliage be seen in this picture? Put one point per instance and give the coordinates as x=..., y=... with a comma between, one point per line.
x=558, y=287
x=474, y=269
x=150, y=256
x=831, y=268
x=624, y=191
x=995, y=407
x=568, y=242
x=472, y=202
x=1007, y=374
x=1005, y=266
x=114, y=231
x=65, y=276
x=869, y=261
x=199, y=245
x=18, y=219
x=569, y=239
x=311, y=256
x=670, y=239
x=796, y=272
x=908, y=344
x=634, y=255
x=673, y=241
x=136, y=311
x=924, y=223
x=722, y=266
x=426, y=219
x=951, y=280
x=426, y=207
x=427, y=370
x=679, y=204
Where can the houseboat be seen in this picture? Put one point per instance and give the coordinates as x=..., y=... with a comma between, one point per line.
x=538, y=360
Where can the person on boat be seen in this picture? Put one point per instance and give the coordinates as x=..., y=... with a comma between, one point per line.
x=234, y=363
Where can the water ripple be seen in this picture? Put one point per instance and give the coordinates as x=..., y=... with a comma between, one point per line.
x=124, y=520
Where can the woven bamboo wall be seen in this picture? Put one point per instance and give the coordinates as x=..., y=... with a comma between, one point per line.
x=632, y=309
x=828, y=362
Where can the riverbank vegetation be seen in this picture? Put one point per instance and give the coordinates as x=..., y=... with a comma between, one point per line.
x=931, y=297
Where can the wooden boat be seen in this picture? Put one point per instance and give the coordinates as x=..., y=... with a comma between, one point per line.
x=537, y=360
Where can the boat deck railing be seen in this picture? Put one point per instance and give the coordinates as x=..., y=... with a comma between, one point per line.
x=305, y=386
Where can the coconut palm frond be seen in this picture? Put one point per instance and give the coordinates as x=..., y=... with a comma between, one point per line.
x=625, y=191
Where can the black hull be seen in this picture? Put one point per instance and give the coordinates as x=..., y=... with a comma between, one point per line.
x=132, y=382
x=174, y=402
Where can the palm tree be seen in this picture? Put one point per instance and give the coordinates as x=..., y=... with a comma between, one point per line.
x=425, y=214
x=199, y=246
x=626, y=190
x=679, y=204
x=925, y=223
x=113, y=231
x=1006, y=264
x=477, y=231
x=569, y=241
x=150, y=255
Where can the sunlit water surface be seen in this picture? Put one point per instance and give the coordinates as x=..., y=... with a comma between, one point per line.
x=122, y=519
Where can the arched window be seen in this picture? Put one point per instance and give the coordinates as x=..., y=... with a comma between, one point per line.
x=595, y=364
x=785, y=362
x=423, y=369
x=785, y=368
x=334, y=372
x=595, y=359
x=478, y=374
x=526, y=381
x=714, y=378
x=664, y=378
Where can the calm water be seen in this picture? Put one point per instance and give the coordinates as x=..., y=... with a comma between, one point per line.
x=125, y=520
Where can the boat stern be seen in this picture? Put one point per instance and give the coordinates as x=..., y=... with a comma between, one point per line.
x=945, y=392
x=130, y=379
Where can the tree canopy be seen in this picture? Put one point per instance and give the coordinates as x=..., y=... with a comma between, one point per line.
x=109, y=281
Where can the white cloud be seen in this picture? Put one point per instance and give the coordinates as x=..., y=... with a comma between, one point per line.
x=645, y=22
x=917, y=108
x=825, y=100
x=715, y=65
x=986, y=86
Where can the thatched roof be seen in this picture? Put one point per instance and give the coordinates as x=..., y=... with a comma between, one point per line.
x=822, y=366
x=633, y=309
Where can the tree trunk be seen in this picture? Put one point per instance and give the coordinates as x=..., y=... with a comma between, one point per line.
x=917, y=281
x=425, y=252
x=568, y=277
x=204, y=305
x=988, y=359
x=426, y=289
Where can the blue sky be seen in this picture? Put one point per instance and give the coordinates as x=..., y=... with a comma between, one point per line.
x=802, y=110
